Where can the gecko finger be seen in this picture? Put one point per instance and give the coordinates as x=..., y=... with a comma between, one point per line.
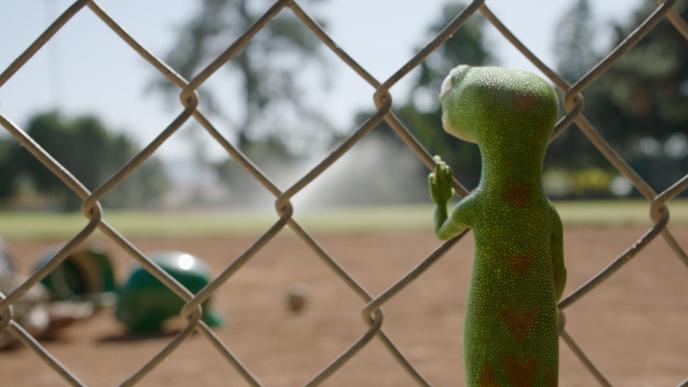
x=446, y=174
x=438, y=170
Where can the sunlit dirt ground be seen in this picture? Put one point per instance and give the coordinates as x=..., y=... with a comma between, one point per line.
x=633, y=327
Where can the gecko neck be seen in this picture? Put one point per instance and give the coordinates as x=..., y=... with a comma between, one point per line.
x=500, y=168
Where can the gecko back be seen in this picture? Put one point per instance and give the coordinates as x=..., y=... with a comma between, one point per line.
x=511, y=330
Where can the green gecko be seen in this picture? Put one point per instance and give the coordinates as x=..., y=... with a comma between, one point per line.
x=511, y=324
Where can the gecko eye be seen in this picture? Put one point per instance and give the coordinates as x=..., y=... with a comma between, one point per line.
x=446, y=85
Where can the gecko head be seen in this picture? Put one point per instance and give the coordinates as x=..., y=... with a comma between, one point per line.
x=480, y=104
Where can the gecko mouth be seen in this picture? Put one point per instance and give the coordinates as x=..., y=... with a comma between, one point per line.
x=446, y=86
x=456, y=75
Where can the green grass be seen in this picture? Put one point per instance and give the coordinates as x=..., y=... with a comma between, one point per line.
x=30, y=225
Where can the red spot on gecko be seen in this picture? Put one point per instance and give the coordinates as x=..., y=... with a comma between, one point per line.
x=487, y=377
x=521, y=372
x=520, y=323
x=524, y=102
x=517, y=194
x=520, y=263
x=551, y=378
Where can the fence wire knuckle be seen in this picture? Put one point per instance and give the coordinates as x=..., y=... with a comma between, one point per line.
x=371, y=313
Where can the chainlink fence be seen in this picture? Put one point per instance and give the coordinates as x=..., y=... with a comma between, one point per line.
x=372, y=313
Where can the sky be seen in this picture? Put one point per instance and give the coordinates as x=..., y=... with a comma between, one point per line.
x=86, y=68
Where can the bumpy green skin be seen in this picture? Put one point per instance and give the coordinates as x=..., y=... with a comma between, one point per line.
x=511, y=332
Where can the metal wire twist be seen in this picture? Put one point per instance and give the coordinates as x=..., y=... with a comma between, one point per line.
x=372, y=314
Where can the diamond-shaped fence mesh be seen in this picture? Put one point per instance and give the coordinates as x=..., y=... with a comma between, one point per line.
x=372, y=314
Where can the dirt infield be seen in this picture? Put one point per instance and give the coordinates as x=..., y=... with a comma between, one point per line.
x=633, y=326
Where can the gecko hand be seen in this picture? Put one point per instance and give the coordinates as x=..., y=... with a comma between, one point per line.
x=440, y=182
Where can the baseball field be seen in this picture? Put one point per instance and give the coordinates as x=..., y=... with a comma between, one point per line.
x=632, y=327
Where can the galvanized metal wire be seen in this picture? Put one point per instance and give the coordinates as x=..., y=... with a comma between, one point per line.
x=372, y=314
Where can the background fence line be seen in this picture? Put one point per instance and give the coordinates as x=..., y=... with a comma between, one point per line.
x=372, y=314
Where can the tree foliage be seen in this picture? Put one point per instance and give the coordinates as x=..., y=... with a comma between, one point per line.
x=91, y=152
x=7, y=172
x=576, y=31
x=268, y=68
x=640, y=105
x=421, y=112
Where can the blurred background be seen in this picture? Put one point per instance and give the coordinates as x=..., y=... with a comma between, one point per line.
x=286, y=101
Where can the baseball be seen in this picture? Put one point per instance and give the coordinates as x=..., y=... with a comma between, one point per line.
x=297, y=296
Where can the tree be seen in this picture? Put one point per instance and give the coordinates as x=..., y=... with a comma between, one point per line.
x=641, y=104
x=649, y=86
x=7, y=173
x=268, y=69
x=575, y=55
x=650, y=82
x=576, y=31
x=421, y=112
x=91, y=152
